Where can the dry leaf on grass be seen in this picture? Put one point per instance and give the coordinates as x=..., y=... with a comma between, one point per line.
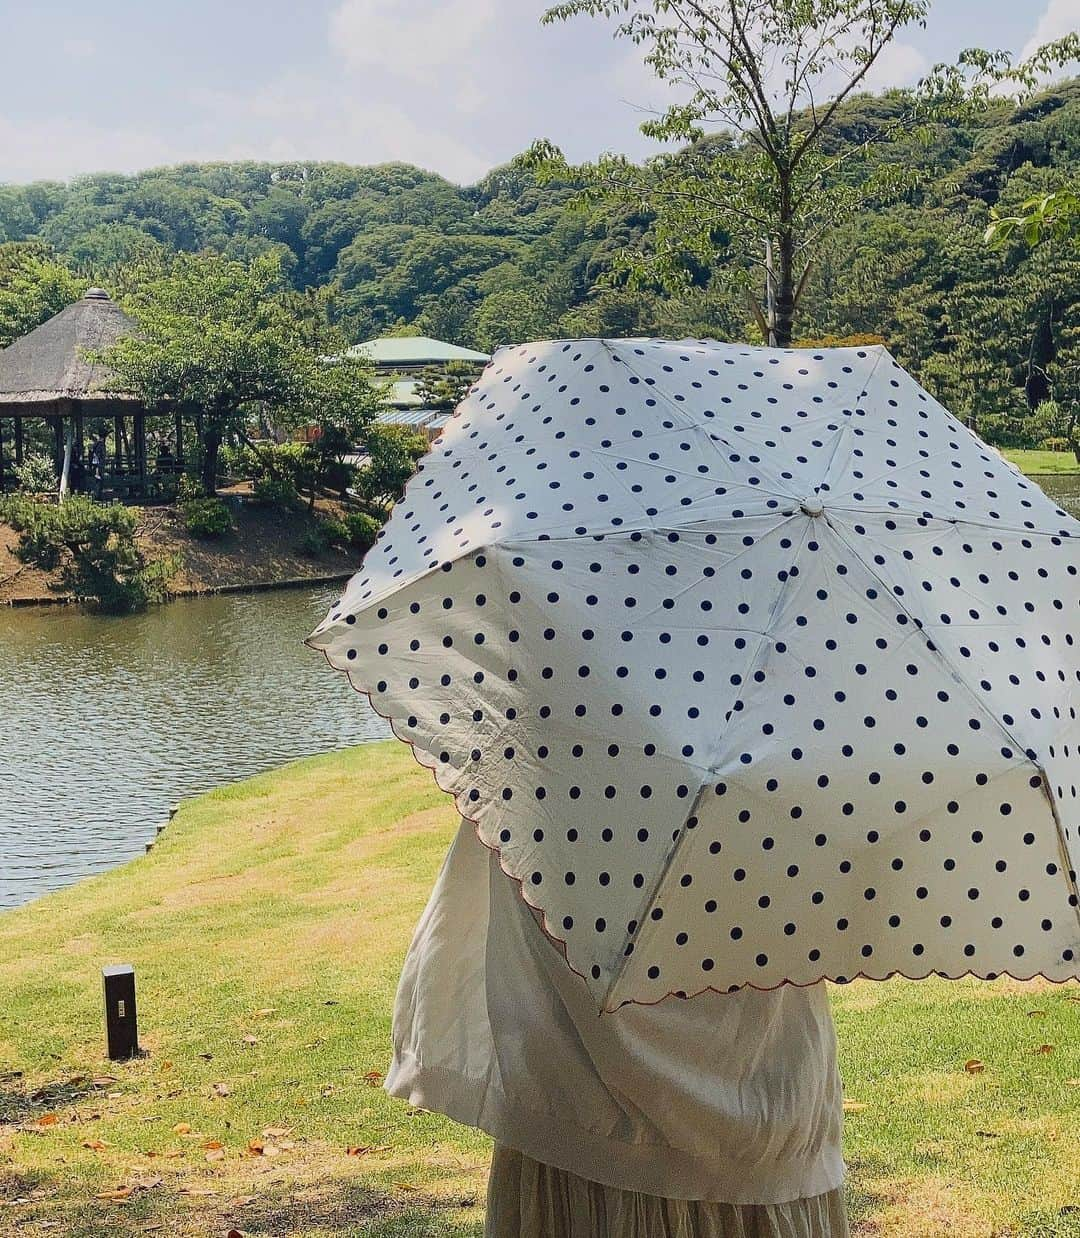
x=373, y=1078
x=95, y=1145
x=250, y=1040
x=277, y=1132
x=974, y=1067
x=182, y=1128
x=1044, y=1049
x=406, y=1186
x=222, y=1089
x=855, y=1106
x=117, y=1195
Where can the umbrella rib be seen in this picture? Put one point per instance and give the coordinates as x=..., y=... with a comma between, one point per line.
x=750, y=665
x=911, y=514
x=982, y=708
x=691, y=423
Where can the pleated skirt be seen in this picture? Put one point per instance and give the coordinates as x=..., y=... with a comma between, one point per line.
x=527, y=1199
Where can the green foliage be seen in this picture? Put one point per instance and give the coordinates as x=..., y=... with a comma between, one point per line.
x=1055, y=214
x=36, y=474
x=392, y=455
x=189, y=489
x=444, y=387
x=33, y=287
x=361, y=530
x=95, y=548
x=276, y=490
x=206, y=519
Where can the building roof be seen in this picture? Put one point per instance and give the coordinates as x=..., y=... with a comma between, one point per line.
x=48, y=363
x=405, y=350
x=407, y=416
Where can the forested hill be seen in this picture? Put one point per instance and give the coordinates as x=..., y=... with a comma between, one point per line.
x=990, y=331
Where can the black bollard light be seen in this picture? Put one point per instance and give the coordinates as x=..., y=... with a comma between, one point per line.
x=121, y=1022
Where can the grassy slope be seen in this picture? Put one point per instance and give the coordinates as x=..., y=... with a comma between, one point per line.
x=267, y=928
x=1037, y=463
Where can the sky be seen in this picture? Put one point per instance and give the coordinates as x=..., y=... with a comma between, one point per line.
x=456, y=86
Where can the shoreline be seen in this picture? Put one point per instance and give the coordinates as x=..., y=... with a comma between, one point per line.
x=198, y=591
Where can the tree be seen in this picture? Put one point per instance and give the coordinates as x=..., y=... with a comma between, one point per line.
x=339, y=402
x=33, y=287
x=392, y=455
x=444, y=387
x=772, y=75
x=216, y=341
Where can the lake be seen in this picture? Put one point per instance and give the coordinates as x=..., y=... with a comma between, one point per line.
x=107, y=723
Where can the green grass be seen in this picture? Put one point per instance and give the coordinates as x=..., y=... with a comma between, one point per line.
x=267, y=928
x=1040, y=462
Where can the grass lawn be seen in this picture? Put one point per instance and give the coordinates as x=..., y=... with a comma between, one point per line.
x=267, y=928
x=1037, y=462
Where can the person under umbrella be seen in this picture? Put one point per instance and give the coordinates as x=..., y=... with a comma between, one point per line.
x=747, y=669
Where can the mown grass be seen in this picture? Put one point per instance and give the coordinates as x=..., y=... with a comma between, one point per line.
x=1041, y=462
x=267, y=928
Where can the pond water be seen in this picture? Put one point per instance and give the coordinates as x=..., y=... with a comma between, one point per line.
x=107, y=723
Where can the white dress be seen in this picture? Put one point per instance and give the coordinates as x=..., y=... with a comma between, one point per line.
x=728, y=1098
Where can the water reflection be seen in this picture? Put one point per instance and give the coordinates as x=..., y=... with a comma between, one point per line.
x=105, y=723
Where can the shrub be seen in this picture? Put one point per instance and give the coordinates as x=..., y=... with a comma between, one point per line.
x=206, y=518
x=96, y=548
x=36, y=474
x=314, y=542
x=1055, y=444
x=189, y=488
x=362, y=529
x=272, y=491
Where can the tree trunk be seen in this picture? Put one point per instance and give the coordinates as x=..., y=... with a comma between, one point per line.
x=211, y=443
x=783, y=310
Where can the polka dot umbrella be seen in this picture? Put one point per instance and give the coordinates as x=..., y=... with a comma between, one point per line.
x=754, y=666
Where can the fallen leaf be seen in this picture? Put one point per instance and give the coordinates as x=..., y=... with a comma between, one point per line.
x=215, y=1154
x=182, y=1128
x=241, y=1201
x=197, y=1190
x=255, y=1147
x=165, y=1066
x=47, y=1119
x=207, y=1057
x=117, y=1195
x=235, y=1233
x=211, y=1145
x=357, y=1150
x=1035, y=1014
x=276, y=1132
x=373, y=1078
x=974, y=1067
x=987, y=1134
x=1044, y=1049
x=265, y=1012
x=222, y=1089
x=95, y=1145
x=250, y=1040
x=855, y=1106
x=406, y=1186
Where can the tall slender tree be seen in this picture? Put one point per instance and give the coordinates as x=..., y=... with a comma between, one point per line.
x=767, y=78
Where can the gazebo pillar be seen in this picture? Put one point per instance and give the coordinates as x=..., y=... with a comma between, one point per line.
x=118, y=443
x=139, y=431
x=3, y=477
x=179, y=426
x=58, y=443
x=18, y=441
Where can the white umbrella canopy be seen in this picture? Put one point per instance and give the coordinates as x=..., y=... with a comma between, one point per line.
x=755, y=666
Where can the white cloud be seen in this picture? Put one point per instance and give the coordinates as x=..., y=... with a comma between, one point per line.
x=75, y=48
x=900, y=64
x=410, y=40
x=59, y=147
x=1060, y=17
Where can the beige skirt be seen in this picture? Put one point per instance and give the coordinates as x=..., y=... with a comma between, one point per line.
x=529, y=1200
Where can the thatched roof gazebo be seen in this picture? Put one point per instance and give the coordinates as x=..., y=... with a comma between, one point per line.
x=47, y=374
